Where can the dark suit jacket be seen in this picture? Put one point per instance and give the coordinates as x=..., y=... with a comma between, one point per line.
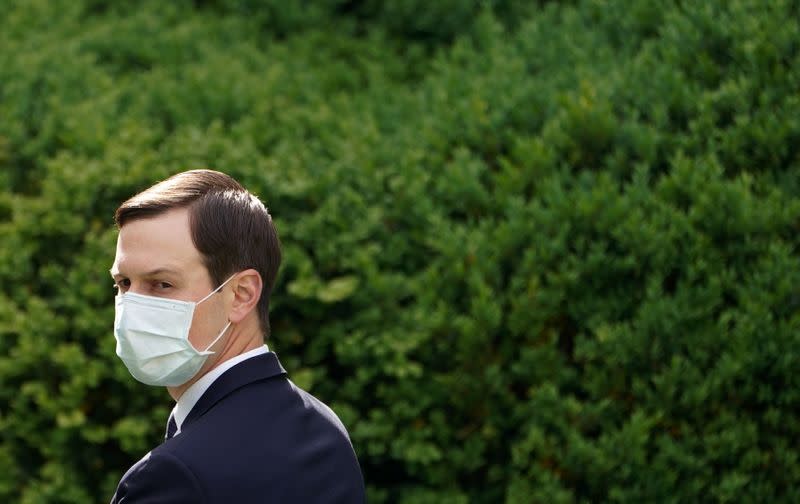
x=253, y=437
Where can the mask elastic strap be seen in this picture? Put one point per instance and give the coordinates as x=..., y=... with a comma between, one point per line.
x=217, y=289
x=218, y=336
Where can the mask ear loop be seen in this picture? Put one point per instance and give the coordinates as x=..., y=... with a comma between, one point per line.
x=217, y=338
x=217, y=289
x=229, y=322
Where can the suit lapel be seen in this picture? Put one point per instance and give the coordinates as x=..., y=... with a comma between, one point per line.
x=260, y=367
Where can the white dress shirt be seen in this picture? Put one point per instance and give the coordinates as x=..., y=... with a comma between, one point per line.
x=193, y=394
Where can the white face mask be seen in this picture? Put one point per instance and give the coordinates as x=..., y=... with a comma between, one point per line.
x=152, y=336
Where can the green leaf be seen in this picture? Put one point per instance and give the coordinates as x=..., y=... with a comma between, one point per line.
x=338, y=289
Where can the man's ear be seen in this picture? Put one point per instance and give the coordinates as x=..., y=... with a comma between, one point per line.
x=247, y=288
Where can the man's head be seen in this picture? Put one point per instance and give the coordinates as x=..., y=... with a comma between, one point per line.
x=183, y=237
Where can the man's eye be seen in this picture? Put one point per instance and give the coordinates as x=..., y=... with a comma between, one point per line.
x=163, y=285
x=122, y=285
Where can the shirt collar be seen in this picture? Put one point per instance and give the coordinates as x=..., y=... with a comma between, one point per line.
x=193, y=394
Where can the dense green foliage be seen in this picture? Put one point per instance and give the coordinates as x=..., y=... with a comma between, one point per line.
x=534, y=251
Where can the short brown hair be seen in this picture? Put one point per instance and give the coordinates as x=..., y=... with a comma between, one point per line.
x=230, y=227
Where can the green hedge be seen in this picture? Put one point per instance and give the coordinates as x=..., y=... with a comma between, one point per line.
x=534, y=251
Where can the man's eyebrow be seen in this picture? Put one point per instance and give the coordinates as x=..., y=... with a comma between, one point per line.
x=151, y=273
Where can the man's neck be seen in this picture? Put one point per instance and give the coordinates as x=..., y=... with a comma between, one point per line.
x=239, y=341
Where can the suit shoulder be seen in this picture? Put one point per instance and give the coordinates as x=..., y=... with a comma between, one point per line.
x=320, y=407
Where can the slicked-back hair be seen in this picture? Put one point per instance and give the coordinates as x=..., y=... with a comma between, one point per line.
x=230, y=227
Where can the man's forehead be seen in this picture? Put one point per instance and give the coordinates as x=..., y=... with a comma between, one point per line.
x=161, y=244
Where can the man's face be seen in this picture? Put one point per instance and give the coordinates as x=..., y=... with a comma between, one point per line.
x=156, y=257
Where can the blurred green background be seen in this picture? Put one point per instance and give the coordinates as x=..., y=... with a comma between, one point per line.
x=534, y=251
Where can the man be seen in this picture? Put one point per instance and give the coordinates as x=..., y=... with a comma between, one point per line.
x=196, y=261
